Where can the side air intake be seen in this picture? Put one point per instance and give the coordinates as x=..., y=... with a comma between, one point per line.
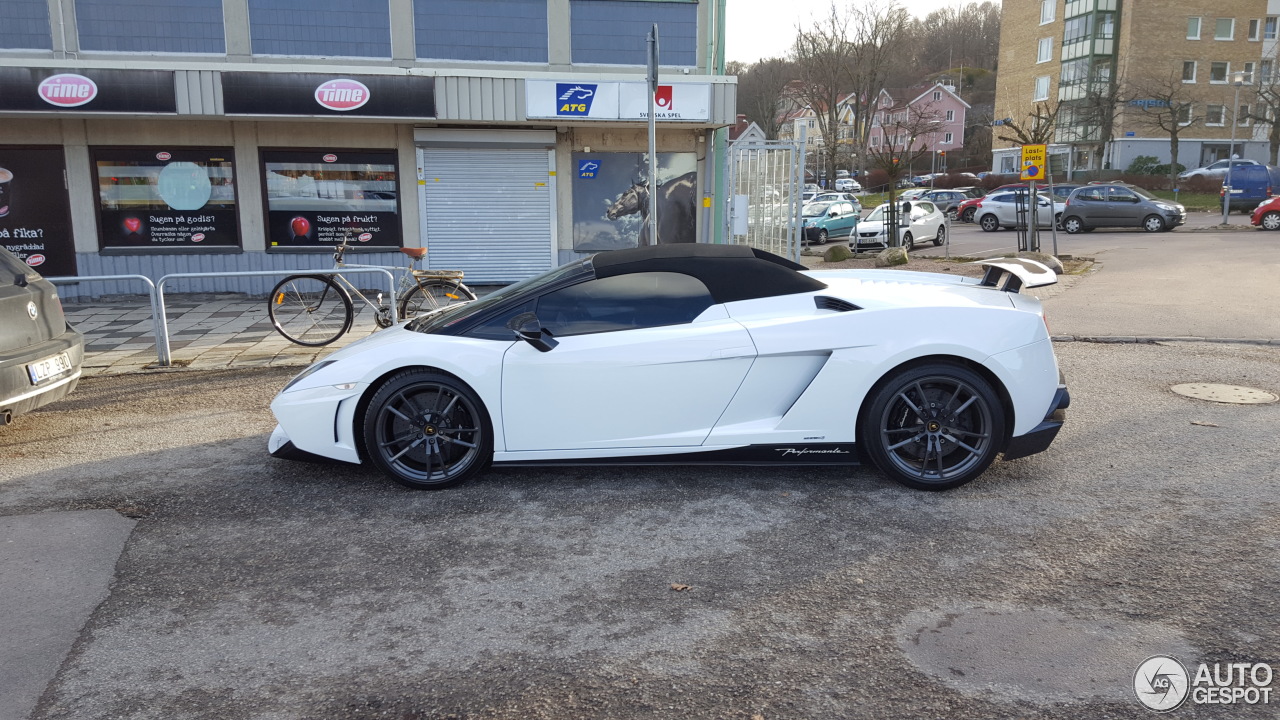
x=825, y=302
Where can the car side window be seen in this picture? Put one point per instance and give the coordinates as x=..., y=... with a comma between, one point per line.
x=1095, y=194
x=623, y=302
x=1122, y=195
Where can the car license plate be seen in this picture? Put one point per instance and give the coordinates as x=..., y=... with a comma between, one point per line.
x=44, y=369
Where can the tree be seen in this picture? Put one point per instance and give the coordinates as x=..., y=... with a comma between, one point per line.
x=1266, y=107
x=1036, y=129
x=900, y=131
x=760, y=91
x=1164, y=103
x=877, y=34
x=823, y=58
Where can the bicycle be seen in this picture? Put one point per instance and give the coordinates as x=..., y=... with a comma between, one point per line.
x=316, y=309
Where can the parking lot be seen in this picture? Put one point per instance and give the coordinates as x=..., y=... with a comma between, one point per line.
x=252, y=587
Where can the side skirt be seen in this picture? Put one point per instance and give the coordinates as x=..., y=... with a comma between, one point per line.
x=811, y=454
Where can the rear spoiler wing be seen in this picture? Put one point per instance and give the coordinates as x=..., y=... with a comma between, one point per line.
x=1013, y=274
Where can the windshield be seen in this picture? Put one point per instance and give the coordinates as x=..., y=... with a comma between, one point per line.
x=815, y=209
x=1143, y=193
x=877, y=214
x=455, y=314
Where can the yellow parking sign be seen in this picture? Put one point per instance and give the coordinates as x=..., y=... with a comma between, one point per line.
x=1034, y=160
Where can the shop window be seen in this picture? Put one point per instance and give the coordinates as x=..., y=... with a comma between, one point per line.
x=320, y=27
x=166, y=198
x=191, y=26
x=35, y=217
x=481, y=30
x=614, y=32
x=26, y=26
x=318, y=198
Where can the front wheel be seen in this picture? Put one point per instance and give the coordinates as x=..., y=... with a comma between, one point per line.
x=310, y=310
x=942, y=235
x=427, y=430
x=990, y=223
x=1153, y=223
x=968, y=214
x=908, y=242
x=431, y=295
x=933, y=427
x=1271, y=221
x=1073, y=225
x=822, y=238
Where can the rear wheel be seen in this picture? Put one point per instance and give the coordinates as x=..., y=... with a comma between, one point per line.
x=967, y=215
x=1153, y=223
x=1271, y=221
x=310, y=310
x=427, y=430
x=990, y=223
x=934, y=427
x=942, y=235
x=1073, y=225
x=431, y=295
x=908, y=242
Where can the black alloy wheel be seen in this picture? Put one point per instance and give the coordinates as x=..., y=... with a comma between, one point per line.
x=427, y=430
x=969, y=212
x=934, y=427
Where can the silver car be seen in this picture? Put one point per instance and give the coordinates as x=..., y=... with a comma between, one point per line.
x=1119, y=205
x=1009, y=209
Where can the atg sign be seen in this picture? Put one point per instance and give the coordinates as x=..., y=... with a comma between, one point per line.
x=678, y=102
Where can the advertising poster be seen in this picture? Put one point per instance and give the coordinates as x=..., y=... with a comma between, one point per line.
x=316, y=198
x=166, y=198
x=611, y=200
x=35, y=218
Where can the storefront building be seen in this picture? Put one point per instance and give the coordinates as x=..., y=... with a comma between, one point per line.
x=506, y=136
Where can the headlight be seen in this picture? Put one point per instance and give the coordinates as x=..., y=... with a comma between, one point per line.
x=309, y=371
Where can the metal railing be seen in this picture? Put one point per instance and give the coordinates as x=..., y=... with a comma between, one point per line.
x=159, y=319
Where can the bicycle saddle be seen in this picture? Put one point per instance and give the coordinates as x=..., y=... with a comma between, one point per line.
x=415, y=253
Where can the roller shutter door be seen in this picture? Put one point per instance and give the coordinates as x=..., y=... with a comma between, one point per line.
x=488, y=212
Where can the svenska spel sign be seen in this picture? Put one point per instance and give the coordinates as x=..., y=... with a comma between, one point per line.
x=1034, y=159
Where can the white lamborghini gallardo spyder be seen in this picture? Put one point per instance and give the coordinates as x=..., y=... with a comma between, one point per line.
x=687, y=354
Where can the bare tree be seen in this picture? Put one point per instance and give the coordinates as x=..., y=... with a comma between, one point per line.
x=760, y=91
x=1036, y=129
x=876, y=35
x=1164, y=103
x=1266, y=107
x=823, y=58
x=902, y=132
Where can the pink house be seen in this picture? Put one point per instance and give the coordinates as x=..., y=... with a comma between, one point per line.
x=931, y=117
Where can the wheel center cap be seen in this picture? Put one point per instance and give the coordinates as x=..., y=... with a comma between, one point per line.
x=429, y=430
x=933, y=426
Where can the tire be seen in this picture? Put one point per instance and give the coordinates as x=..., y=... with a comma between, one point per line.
x=968, y=214
x=1153, y=223
x=822, y=237
x=1073, y=225
x=427, y=430
x=934, y=426
x=908, y=242
x=433, y=294
x=990, y=223
x=1271, y=221
x=942, y=235
x=1057, y=221
x=310, y=310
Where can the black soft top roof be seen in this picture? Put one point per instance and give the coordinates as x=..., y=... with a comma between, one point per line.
x=730, y=272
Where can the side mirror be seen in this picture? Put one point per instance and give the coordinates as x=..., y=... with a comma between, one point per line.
x=527, y=327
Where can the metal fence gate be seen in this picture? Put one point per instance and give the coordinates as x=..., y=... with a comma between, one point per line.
x=765, y=181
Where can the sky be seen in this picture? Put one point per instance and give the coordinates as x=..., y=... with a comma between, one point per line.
x=756, y=29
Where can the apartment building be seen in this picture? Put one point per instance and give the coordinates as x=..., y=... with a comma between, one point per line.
x=938, y=112
x=1099, y=72
x=143, y=137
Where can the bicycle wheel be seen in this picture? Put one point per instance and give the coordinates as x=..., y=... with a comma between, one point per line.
x=432, y=294
x=310, y=310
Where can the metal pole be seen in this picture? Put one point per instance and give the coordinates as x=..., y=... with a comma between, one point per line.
x=1053, y=208
x=1231, y=154
x=653, y=136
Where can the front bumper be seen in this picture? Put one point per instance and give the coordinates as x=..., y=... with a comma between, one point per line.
x=1042, y=435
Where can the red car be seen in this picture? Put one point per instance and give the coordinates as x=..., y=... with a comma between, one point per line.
x=1267, y=215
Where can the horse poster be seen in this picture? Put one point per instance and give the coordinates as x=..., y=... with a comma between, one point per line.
x=611, y=200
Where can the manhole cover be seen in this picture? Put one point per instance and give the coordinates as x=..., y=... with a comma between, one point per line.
x=1216, y=392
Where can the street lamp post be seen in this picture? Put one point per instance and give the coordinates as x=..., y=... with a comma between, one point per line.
x=1237, y=79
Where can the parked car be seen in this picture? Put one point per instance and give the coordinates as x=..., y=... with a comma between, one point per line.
x=839, y=196
x=1267, y=214
x=822, y=221
x=1216, y=171
x=694, y=353
x=1001, y=209
x=1061, y=192
x=946, y=200
x=922, y=222
x=966, y=210
x=848, y=184
x=971, y=191
x=913, y=193
x=40, y=353
x=812, y=187
x=1119, y=205
x=1250, y=185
